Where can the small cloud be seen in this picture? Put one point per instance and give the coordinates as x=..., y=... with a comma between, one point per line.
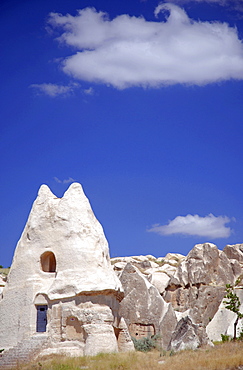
x=54, y=90
x=194, y=225
x=65, y=181
x=89, y=91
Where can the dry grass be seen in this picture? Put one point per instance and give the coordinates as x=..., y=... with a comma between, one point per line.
x=225, y=356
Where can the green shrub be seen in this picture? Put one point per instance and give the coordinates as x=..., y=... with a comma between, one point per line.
x=145, y=344
x=225, y=338
x=233, y=304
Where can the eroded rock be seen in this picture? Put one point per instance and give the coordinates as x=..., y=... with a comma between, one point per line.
x=144, y=310
x=234, y=251
x=61, y=283
x=199, y=282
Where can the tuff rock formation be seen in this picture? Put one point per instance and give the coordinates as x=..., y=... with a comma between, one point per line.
x=144, y=310
x=198, y=284
x=61, y=289
x=195, y=287
x=63, y=295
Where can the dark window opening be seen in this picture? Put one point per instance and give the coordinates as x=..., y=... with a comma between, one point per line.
x=41, y=320
x=48, y=262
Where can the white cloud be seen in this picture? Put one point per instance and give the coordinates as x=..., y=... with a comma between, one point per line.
x=208, y=226
x=54, y=90
x=89, y=91
x=65, y=181
x=130, y=51
x=237, y=4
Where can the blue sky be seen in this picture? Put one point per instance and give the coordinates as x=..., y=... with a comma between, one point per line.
x=140, y=102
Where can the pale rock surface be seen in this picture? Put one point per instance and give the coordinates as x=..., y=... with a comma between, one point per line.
x=62, y=262
x=142, y=262
x=167, y=268
x=119, y=266
x=151, y=257
x=151, y=267
x=159, y=279
x=160, y=275
x=182, y=315
x=141, y=258
x=124, y=339
x=177, y=257
x=144, y=310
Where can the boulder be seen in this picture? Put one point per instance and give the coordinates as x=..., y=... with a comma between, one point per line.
x=188, y=335
x=159, y=279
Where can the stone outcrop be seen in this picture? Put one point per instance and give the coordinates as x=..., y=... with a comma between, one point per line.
x=144, y=310
x=61, y=283
x=194, y=285
x=199, y=282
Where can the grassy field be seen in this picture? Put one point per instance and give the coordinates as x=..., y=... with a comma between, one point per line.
x=225, y=356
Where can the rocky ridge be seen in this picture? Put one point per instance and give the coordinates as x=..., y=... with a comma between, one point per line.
x=180, y=294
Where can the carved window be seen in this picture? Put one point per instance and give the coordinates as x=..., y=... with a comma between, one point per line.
x=48, y=262
x=74, y=330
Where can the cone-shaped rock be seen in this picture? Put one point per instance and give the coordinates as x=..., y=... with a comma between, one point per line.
x=62, y=237
x=61, y=265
